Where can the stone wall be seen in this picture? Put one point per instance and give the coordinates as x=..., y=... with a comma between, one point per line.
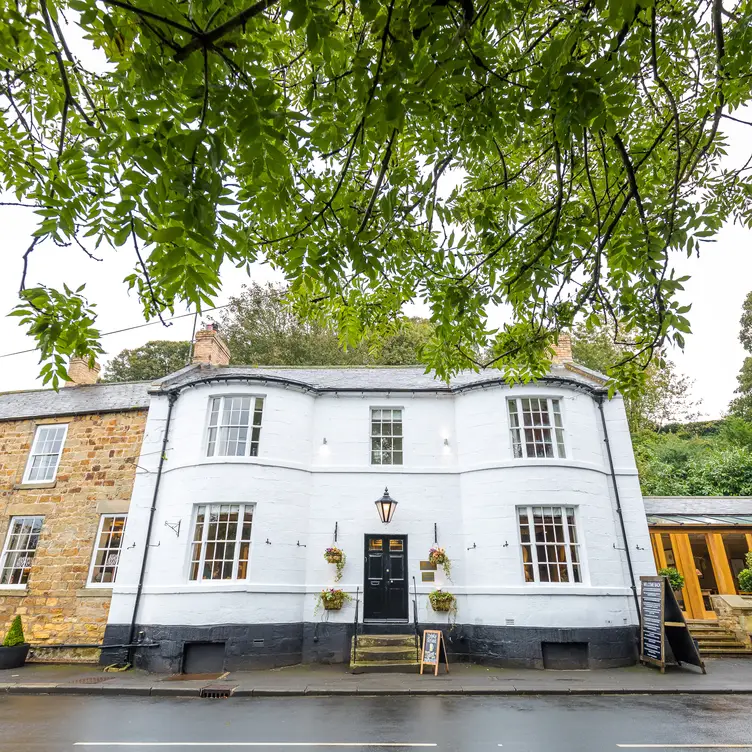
x=95, y=477
x=735, y=614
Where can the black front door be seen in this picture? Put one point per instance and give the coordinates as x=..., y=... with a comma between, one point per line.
x=386, y=577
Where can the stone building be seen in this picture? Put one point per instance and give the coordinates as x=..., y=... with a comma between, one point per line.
x=247, y=475
x=67, y=466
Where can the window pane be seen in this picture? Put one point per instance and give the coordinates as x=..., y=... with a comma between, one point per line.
x=45, y=453
x=221, y=547
x=386, y=436
x=230, y=423
x=21, y=545
x=107, y=551
x=555, y=555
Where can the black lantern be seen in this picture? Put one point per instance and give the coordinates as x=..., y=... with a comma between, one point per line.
x=386, y=506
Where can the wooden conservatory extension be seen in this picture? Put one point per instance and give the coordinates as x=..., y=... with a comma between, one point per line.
x=706, y=538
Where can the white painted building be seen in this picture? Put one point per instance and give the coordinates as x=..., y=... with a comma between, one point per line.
x=262, y=465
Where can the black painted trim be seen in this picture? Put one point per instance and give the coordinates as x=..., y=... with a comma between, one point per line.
x=329, y=642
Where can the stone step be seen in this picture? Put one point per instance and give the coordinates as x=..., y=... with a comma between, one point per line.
x=741, y=650
x=384, y=667
x=719, y=644
x=705, y=630
x=385, y=653
x=372, y=641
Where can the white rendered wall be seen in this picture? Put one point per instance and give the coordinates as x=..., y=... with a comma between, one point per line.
x=301, y=487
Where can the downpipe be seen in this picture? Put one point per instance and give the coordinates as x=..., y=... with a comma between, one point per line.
x=172, y=398
x=599, y=397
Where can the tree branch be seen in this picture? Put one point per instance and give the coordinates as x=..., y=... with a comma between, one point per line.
x=202, y=39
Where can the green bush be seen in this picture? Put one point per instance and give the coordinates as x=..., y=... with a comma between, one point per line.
x=15, y=634
x=675, y=577
x=745, y=580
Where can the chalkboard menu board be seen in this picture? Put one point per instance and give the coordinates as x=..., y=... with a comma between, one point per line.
x=652, y=620
x=433, y=647
x=664, y=630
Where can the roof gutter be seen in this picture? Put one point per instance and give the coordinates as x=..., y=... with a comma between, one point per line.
x=599, y=397
x=294, y=383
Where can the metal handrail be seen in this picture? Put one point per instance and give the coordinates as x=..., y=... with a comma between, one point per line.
x=415, y=617
x=355, y=625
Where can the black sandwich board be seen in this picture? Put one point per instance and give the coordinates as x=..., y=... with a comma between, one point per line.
x=664, y=637
x=433, y=647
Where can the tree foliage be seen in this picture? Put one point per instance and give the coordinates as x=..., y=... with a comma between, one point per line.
x=662, y=397
x=149, y=362
x=546, y=155
x=681, y=463
x=262, y=328
x=741, y=406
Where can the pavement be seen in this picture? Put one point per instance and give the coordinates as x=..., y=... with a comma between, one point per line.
x=724, y=676
x=562, y=723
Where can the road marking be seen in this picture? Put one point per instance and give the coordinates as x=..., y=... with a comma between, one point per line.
x=685, y=746
x=254, y=744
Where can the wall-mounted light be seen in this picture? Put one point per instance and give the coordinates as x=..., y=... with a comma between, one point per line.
x=386, y=506
x=446, y=442
x=324, y=441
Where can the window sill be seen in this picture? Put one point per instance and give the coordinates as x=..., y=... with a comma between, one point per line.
x=13, y=591
x=22, y=486
x=94, y=592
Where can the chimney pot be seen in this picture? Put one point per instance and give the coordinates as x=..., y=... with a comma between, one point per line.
x=562, y=349
x=79, y=373
x=210, y=348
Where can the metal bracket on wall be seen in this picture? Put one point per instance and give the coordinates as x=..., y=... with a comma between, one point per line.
x=470, y=548
x=155, y=545
x=336, y=526
x=301, y=545
x=616, y=548
x=268, y=542
x=174, y=527
x=435, y=533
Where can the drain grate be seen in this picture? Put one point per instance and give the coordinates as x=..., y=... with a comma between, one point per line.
x=92, y=680
x=216, y=691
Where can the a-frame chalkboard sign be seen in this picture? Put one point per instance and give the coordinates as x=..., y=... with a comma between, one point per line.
x=433, y=647
x=664, y=637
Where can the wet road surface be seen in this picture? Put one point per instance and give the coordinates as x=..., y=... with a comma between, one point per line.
x=446, y=724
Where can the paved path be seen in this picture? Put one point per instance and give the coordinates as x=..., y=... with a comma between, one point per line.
x=370, y=724
x=724, y=676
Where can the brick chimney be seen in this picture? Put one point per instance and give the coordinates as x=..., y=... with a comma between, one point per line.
x=563, y=349
x=79, y=373
x=210, y=348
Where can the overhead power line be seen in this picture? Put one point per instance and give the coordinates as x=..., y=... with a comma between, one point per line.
x=129, y=328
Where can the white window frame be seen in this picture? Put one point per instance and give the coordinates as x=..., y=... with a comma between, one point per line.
x=40, y=428
x=567, y=543
x=22, y=518
x=97, y=548
x=372, y=436
x=517, y=435
x=238, y=542
x=212, y=444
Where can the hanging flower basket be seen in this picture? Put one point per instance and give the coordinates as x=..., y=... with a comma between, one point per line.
x=337, y=557
x=332, y=599
x=442, y=601
x=438, y=557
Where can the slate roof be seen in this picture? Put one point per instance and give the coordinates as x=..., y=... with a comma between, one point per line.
x=371, y=379
x=74, y=400
x=698, y=510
